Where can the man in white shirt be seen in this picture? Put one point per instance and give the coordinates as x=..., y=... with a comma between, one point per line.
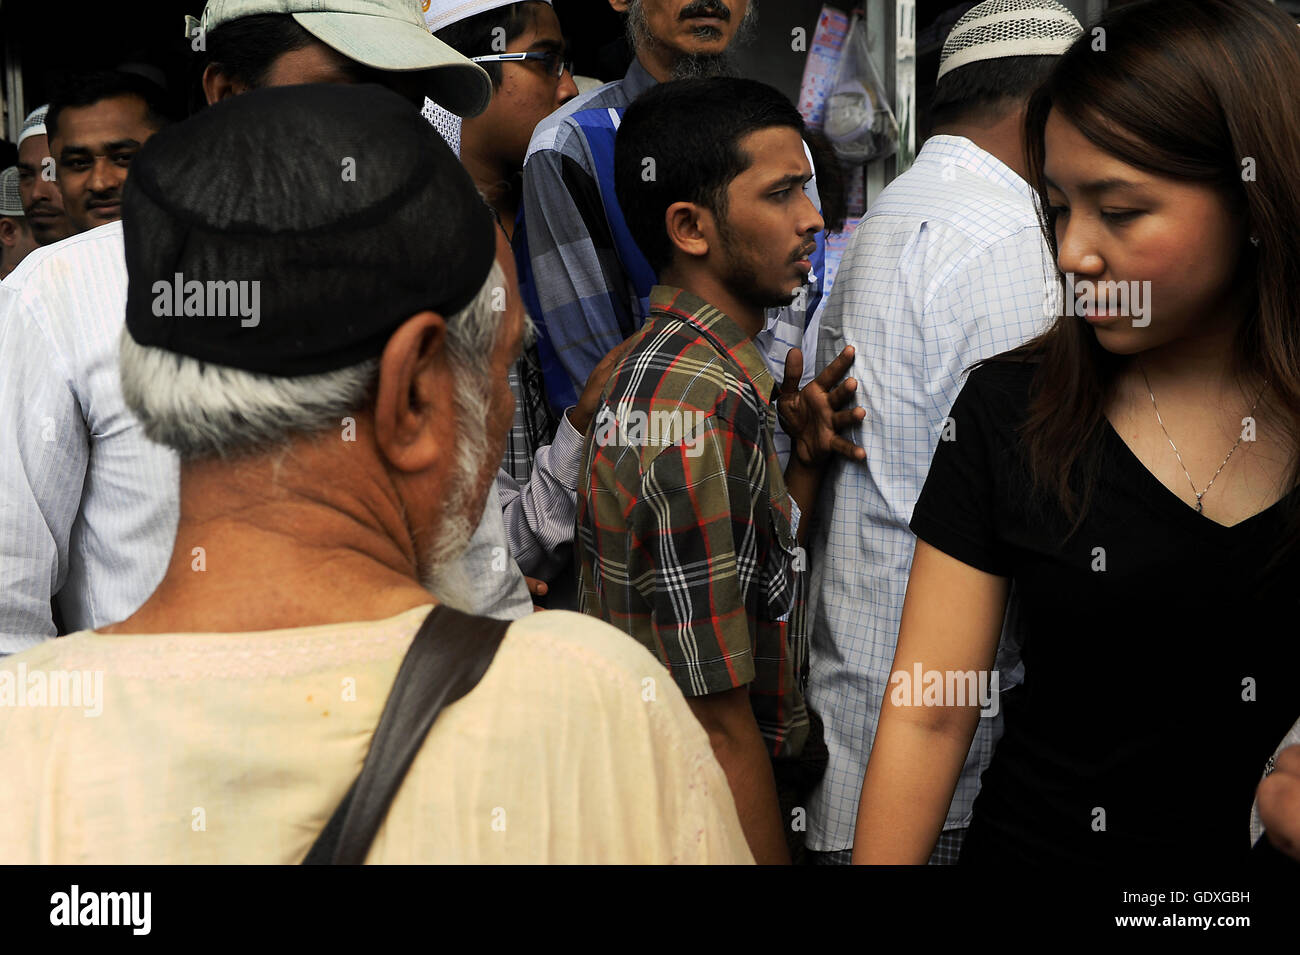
x=89, y=504
x=949, y=266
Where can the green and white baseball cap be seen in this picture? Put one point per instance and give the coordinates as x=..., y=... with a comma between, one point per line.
x=382, y=34
x=443, y=13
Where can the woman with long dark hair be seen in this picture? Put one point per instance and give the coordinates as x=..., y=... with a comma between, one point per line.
x=1133, y=471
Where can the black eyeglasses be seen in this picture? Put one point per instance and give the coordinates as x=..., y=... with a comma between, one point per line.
x=554, y=63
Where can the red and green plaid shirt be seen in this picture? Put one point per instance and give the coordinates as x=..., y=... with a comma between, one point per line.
x=685, y=537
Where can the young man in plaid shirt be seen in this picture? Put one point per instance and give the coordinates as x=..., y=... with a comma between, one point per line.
x=688, y=531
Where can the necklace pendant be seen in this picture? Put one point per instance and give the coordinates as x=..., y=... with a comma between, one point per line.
x=1200, y=508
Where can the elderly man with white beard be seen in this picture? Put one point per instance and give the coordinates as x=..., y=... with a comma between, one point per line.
x=334, y=456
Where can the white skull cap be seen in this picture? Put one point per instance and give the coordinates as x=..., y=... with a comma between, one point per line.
x=1000, y=28
x=34, y=125
x=11, y=201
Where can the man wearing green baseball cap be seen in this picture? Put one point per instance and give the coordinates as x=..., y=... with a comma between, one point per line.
x=322, y=41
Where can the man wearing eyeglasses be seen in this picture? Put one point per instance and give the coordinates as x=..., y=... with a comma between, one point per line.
x=521, y=47
x=591, y=282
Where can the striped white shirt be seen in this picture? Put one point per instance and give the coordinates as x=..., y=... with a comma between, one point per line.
x=947, y=267
x=88, y=505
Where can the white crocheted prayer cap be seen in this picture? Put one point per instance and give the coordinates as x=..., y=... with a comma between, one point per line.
x=34, y=125
x=11, y=201
x=443, y=13
x=445, y=122
x=997, y=28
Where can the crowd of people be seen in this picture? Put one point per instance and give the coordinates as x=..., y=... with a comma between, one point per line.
x=415, y=411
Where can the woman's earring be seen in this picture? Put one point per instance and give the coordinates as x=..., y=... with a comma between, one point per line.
x=1254, y=240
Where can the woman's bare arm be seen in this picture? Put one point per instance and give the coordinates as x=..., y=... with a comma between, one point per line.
x=952, y=619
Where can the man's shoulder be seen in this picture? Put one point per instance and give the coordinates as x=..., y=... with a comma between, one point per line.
x=578, y=644
x=40, y=655
x=926, y=233
x=66, y=287
x=674, y=364
x=101, y=248
x=591, y=666
x=950, y=196
x=67, y=301
x=30, y=683
x=553, y=132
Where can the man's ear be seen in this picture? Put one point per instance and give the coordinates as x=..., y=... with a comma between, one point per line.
x=9, y=232
x=620, y=6
x=414, y=405
x=217, y=85
x=689, y=227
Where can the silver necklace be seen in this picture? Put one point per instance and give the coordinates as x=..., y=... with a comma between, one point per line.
x=1200, y=508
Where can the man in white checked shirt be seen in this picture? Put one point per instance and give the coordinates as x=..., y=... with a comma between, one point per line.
x=948, y=266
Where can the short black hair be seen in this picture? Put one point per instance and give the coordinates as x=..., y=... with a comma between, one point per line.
x=473, y=36
x=988, y=89
x=245, y=49
x=691, y=129
x=86, y=89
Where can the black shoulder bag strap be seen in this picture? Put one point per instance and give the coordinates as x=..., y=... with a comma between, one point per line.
x=449, y=655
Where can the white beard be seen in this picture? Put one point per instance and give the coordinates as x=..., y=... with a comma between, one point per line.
x=445, y=575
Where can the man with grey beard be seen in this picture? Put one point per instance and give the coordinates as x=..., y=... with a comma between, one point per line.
x=580, y=270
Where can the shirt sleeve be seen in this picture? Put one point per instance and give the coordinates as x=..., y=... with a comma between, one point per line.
x=957, y=510
x=540, y=515
x=985, y=303
x=43, y=458
x=683, y=560
x=582, y=289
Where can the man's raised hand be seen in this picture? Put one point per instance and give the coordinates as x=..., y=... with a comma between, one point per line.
x=813, y=416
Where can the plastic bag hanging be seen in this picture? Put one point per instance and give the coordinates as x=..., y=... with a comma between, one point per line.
x=859, y=122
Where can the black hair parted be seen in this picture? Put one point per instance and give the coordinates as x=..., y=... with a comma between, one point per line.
x=474, y=35
x=680, y=142
x=86, y=89
x=986, y=89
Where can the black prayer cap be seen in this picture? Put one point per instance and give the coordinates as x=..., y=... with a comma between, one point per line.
x=341, y=203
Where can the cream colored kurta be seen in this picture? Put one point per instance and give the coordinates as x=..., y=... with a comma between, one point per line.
x=220, y=748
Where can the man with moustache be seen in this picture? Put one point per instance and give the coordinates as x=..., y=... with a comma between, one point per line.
x=688, y=531
x=96, y=124
x=37, y=184
x=585, y=279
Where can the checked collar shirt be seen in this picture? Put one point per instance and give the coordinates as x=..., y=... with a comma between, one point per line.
x=686, y=533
